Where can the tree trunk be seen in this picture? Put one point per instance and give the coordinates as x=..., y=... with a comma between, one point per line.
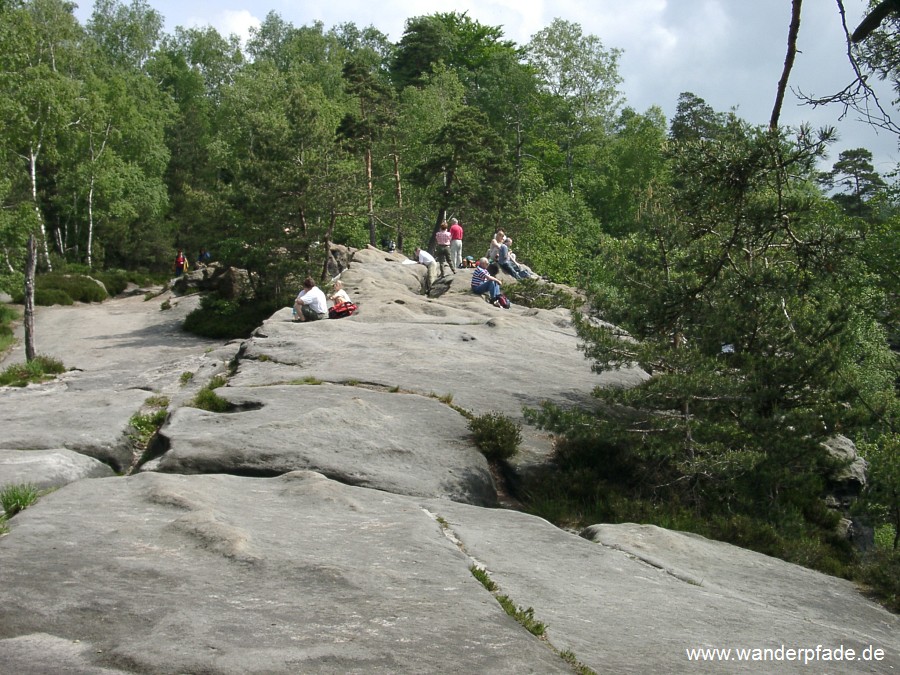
x=788, y=62
x=32, y=169
x=331, y=223
x=398, y=191
x=90, y=232
x=370, y=195
x=30, y=265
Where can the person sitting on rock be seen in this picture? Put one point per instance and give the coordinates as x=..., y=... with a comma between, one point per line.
x=484, y=282
x=339, y=295
x=520, y=265
x=311, y=304
x=496, y=242
x=507, y=264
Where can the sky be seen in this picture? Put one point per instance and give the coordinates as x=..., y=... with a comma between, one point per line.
x=728, y=52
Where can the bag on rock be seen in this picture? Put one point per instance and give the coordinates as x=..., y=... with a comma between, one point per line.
x=342, y=310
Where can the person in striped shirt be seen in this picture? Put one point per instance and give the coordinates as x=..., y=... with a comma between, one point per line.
x=483, y=282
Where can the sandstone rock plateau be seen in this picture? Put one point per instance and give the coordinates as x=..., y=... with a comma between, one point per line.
x=329, y=520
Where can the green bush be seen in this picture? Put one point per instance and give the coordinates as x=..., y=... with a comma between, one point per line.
x=116, y=281
x=534, y=293
x=57, y=288
x=7, y=316
x=45, y=297
x=496, y=435
x=229, y=319
x=77, y=286
x=15, y=498
x=880, y=571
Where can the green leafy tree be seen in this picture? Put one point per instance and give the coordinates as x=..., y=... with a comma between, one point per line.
x=733, y=299
x=579, y=77
x=626, y=172
x=451, y=40
x=467, y=167
x=127, y=34
x=854, y=174
x=281, y=180
x=39, y=93
x=362, y=130
x=695, y=120
x=194, y=67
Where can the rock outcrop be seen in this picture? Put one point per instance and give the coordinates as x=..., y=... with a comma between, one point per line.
x=328, y=522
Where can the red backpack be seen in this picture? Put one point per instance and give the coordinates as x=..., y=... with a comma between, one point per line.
x=342, y=310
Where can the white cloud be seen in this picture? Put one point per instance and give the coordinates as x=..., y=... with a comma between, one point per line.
x=238, y=22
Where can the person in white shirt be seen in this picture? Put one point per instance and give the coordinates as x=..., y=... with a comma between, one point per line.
x=311, y=304
x=425, y=258
x=339, y=296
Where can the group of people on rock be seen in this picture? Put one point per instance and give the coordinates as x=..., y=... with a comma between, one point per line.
x=181, y=261
x=485, y=276
x=311, y=303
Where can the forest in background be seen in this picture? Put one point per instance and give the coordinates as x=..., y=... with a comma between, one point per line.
x=761, y=290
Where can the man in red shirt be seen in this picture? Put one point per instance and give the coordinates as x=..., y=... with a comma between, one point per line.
x=456, y=237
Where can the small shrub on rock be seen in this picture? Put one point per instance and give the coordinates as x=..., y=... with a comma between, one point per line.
x=496, y=435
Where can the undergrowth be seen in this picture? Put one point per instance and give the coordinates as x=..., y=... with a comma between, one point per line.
x=229, y=319
x=39, y=369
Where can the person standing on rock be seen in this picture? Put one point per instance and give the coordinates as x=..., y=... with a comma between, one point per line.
x=442, y=239
x=456, y=238
x=180, y=263
x=311, y=304
x=425, y=258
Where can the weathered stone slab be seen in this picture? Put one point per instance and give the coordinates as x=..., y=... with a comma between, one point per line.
x=390, y=441
x=297, y=574
x=48, y=468
x=302, y=574
x=49, y=417
x=642, y=596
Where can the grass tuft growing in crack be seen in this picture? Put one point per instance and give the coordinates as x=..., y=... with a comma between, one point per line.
x=144, y=425
x=569, y=657
x=207, y=399
x=523, y=616
x=39, y=369
x=309, y=379
x=483, y=577
x=17, y=497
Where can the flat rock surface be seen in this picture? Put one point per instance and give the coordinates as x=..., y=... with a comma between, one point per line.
x=328, y=521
